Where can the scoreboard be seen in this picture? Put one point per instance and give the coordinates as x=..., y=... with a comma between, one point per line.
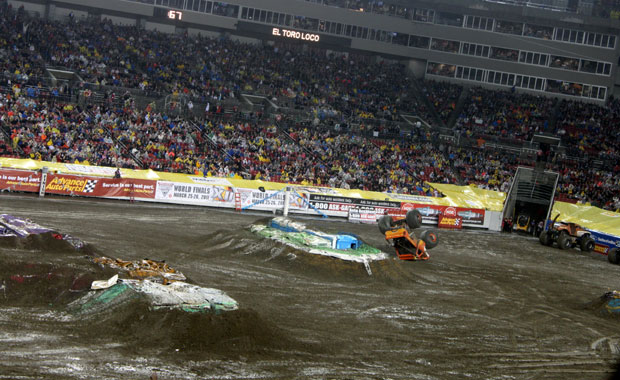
x=270, y=32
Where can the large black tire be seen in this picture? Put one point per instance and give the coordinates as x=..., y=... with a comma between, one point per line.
x=414, y=219
x=385, y=223
x=430, y=238
x=564, y=241
x=612, y=256
x=544, y=238
x=550, y=239
x=586, y=244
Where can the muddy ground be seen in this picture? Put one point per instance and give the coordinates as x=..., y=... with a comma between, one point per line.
x=485, y=306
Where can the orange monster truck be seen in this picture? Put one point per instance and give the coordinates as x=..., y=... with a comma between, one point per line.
x=567, y=235
x=399, y=233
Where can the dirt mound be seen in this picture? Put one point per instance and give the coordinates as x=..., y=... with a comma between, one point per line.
x=234, y=333
x=132, y=318
x=43, y=283
x=48, y=242
x=62, y=281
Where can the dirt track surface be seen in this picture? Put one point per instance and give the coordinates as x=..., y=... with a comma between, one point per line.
x=485, y=306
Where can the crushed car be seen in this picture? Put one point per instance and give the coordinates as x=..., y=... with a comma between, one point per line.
x=344, y=246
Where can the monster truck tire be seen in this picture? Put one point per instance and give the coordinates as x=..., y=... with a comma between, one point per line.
x=586, y=244
x=430, y=238
x=385, y=223
x=544, y=238
x=414, y=219
x=564, y=241
x=612, y=256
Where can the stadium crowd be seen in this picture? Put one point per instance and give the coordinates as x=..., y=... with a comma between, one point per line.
x=204, y=69
x=504, y=114
x=357, y=146
x=443, y=97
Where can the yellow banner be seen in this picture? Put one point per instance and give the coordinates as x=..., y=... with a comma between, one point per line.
x=471, y=196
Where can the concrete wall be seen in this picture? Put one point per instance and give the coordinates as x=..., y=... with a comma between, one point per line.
x=417, y=67
x=118, y=20
x=202, y=32
x=28, y=6
x=247, y=40
x=112, y=5
x=494, y=220
x=210, y=20
x=61, y=14
x=164, y=28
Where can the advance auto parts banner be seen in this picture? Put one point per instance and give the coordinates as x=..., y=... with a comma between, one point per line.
x=99, y=187
x=449, y=219
x=339, y=206
x=195, y=194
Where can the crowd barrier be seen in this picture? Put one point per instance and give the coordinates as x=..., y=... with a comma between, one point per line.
x=461, y=206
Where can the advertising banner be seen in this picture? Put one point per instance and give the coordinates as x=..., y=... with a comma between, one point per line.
x=20, y=180
x=65, y=184
x=271, y=200
x=211, y=181
x=196, y=194
x=410, y=198
x=430, y=213
x=604, y=242
x=363, y=215
x=90, y=170
x=469, y=216
x=602, y=249
x=449, y=219
x=24, y=175
x=339, y=206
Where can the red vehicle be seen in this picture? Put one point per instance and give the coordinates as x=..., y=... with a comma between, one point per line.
x=399, y=233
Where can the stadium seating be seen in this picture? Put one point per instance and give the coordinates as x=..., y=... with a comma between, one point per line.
x=343, y=129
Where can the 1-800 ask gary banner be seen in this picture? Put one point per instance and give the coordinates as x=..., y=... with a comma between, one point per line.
x=339, y=206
